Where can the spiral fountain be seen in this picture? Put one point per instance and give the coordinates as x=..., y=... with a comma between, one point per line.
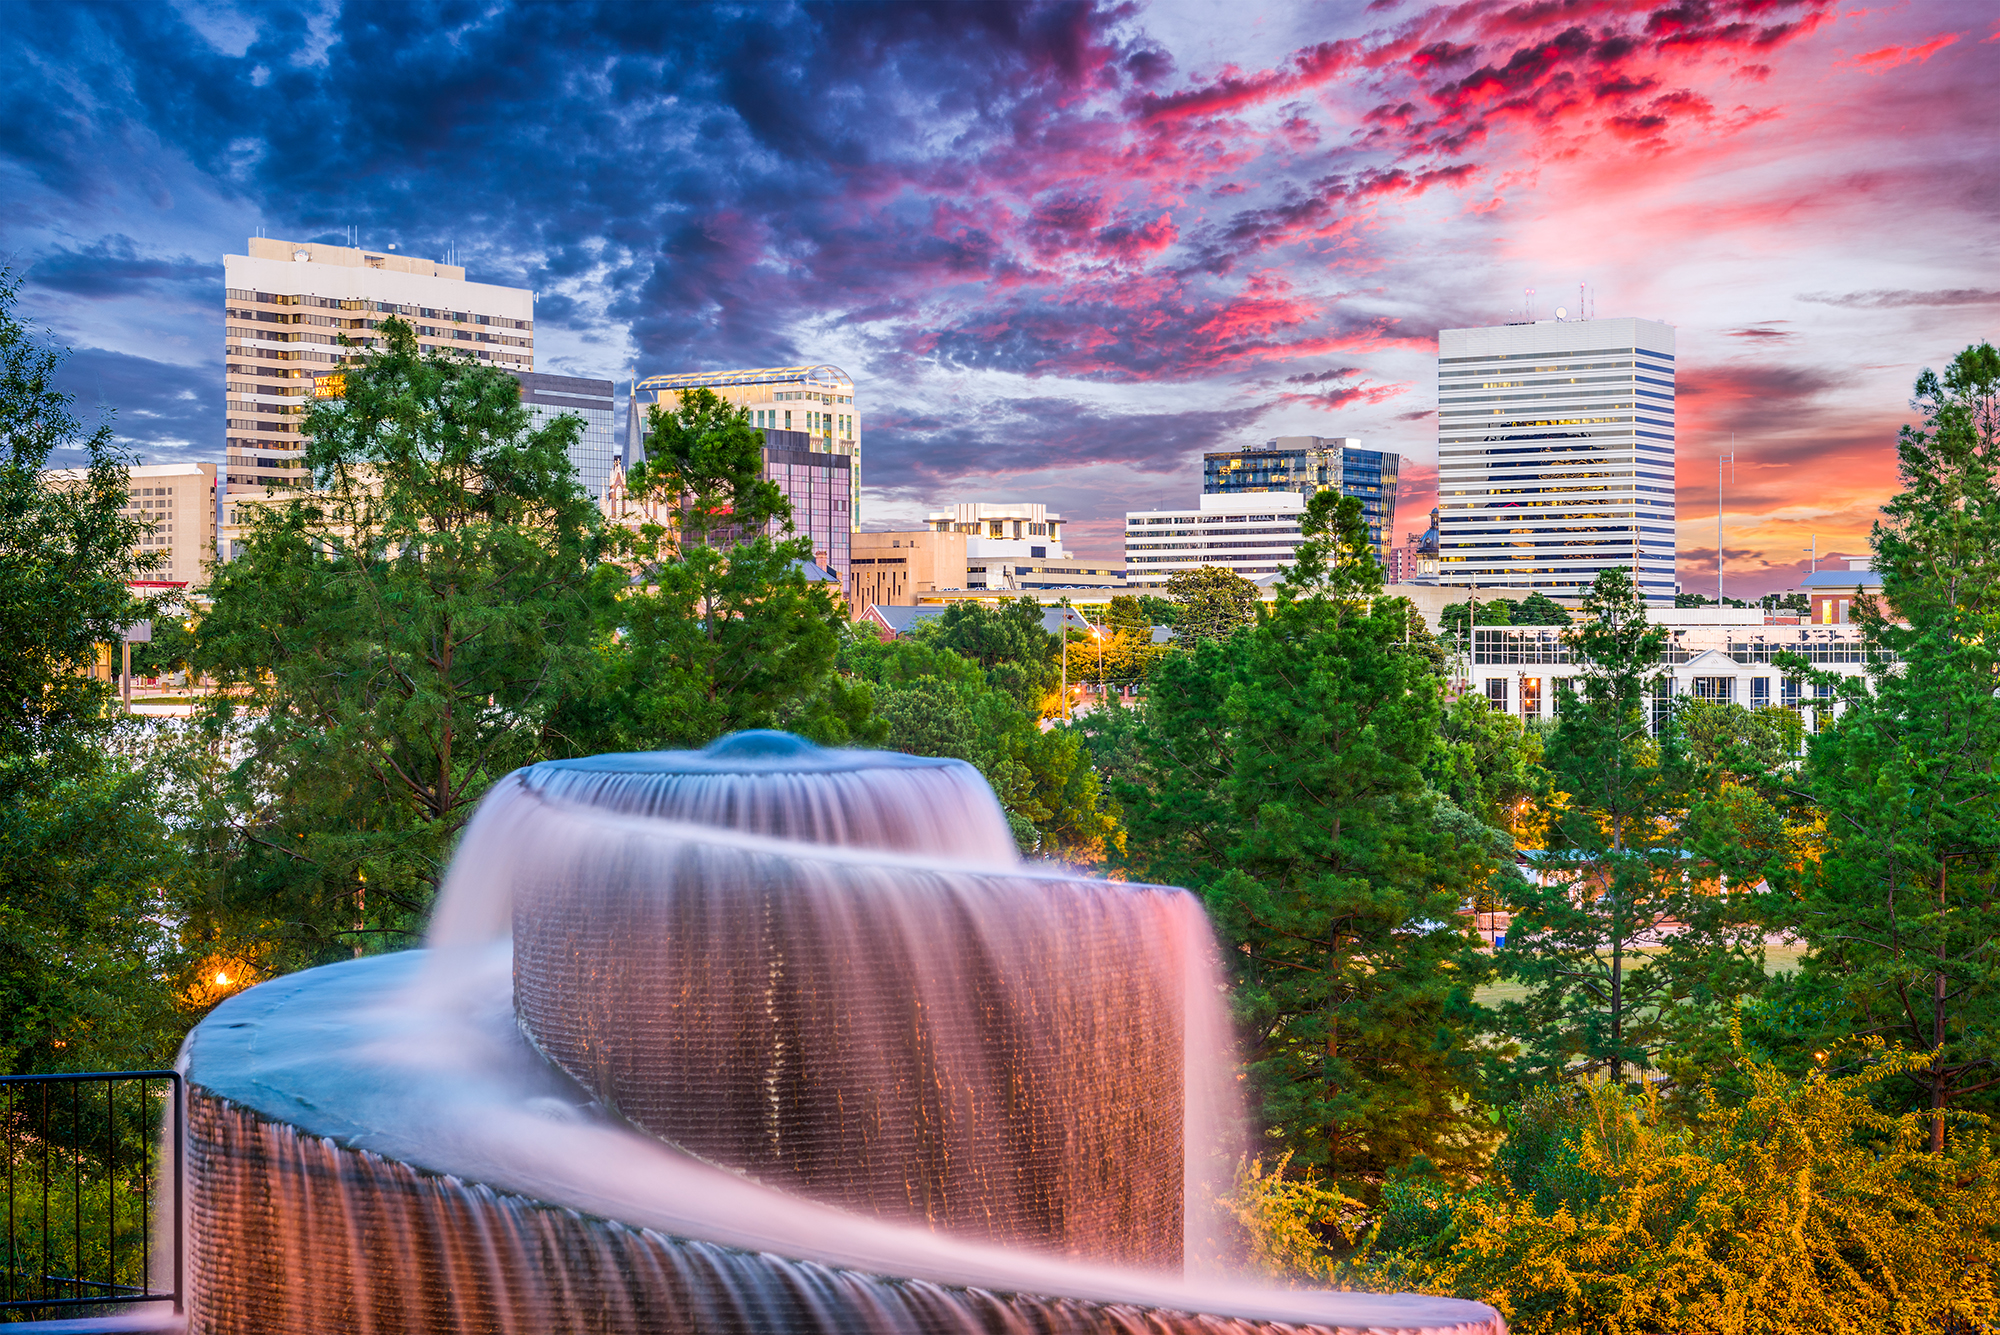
x=763, y=1037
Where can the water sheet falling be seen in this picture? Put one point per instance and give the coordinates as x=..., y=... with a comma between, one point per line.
x=800, y=1080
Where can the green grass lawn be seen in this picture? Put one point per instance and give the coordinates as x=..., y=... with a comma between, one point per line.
x=1777, y=959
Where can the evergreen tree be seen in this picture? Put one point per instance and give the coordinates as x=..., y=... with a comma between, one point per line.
x=1621, y=944
x=1281, y=774
x=1900, y=910
x=400, y=637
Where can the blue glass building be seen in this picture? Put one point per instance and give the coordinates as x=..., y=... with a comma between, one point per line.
x=1309, y=464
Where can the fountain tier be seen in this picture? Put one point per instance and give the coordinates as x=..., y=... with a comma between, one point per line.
x=997, y=1054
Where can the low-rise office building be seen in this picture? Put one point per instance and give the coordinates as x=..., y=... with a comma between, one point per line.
x=982, y=547
x=1721, y=654
x=1831, y=594
x=895, y=569
x=1252, y=534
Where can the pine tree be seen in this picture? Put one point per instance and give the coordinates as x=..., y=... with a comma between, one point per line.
x=720, y=628
x=1281, y=774
x=1621, y=945
x=1900, y=910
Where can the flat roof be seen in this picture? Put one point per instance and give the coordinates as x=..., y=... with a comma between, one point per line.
x=767, y=375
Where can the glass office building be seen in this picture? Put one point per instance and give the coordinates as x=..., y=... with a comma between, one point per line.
x=548, y=396
x=1308, y=464
x=1556, y=456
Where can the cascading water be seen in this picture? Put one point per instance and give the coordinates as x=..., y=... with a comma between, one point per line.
x=762, y=1037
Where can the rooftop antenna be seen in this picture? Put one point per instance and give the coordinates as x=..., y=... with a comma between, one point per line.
x=1582, y=311
x=1813, y=551
x=1528, y=300
x=1730, y=459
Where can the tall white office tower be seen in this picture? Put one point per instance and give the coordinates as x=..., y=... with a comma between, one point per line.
x=1556, y=456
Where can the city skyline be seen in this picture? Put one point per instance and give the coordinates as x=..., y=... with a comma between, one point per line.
x=1067, y=249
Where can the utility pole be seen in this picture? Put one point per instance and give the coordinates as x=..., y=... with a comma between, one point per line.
x=1730, y=459
x=1062, y=629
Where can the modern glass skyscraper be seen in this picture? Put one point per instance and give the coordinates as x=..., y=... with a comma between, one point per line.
x=1308, y=464
x=1556, y=456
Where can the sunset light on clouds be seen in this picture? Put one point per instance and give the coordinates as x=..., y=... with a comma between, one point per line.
x=1065, y=248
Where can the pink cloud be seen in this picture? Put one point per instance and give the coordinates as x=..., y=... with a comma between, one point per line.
x=1889, y=57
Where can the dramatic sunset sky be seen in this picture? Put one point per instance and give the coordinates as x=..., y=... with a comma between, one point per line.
x=1063, y=248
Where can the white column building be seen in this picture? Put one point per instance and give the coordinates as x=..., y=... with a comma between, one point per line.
x=1556, y=456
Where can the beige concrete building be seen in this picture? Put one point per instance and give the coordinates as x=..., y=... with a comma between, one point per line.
x=176, y=502
x=1016, y=546
x=896, y=569
x=982, y=549
x=288, y=304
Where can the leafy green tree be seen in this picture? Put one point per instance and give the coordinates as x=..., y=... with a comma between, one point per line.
x=1008, y=642
x=1795, y=603
x=1746, y=744
x=1899, y=910
x=1487, y=763
x=1281, y=773
x=88, y=870
x=1127, y=615
x=1454, y=617
x=1538, y=609
x=1621, y=946
x=934, y=701
x=1210, y=603
x=720, y=628
x=704, y=454
x=172, y=647
x=391, y=644
x=1159, y=611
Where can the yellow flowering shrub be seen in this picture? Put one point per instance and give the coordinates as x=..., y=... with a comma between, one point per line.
x=1800, y=1209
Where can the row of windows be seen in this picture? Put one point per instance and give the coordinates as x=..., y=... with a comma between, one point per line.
x=1451, y=379
x=1591, y=352
x=382, y=307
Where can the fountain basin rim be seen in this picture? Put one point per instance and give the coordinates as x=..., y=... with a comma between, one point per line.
x=799, y=850
x=317, y=1051
x=760, y=752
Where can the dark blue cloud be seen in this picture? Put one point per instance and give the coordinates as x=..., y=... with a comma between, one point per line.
x=162, y=412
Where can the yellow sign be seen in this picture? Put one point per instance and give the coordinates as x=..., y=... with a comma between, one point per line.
x=330, y=387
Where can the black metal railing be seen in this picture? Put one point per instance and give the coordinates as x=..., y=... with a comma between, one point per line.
x=84, y=1158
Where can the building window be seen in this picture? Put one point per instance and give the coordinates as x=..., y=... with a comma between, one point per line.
x=1531, y=697
x=1496, y=693
x=1760, y=692
x=1718, y=689
x=1663, y=702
